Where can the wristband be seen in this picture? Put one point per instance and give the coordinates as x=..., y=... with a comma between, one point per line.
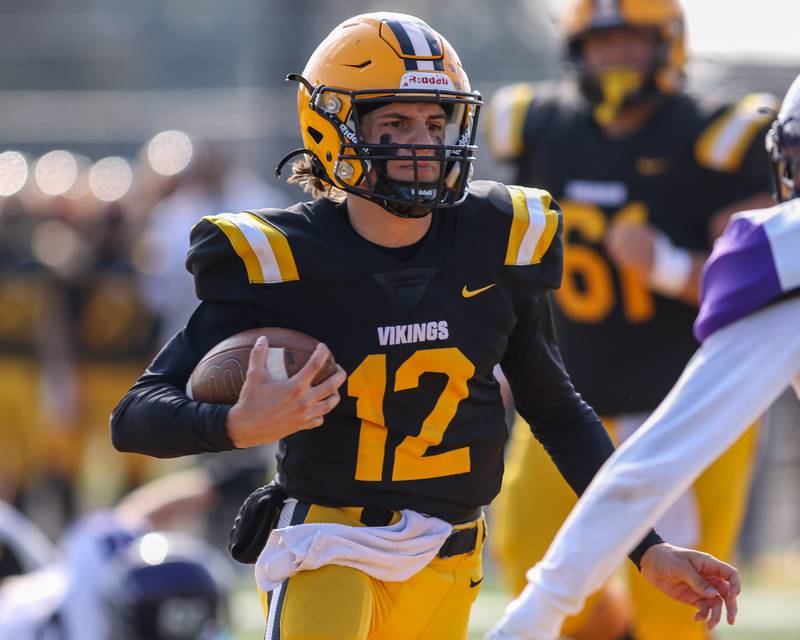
x=650, y=540
x=672, y=267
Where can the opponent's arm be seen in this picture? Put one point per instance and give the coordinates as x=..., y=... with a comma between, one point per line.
x=714, y=401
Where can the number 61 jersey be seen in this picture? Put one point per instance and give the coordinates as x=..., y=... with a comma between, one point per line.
x=421, y=421
x=624, y=344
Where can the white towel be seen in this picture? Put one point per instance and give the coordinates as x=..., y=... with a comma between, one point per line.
x=392, y=553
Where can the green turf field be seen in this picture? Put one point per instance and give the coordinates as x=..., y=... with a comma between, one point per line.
x=764, y=614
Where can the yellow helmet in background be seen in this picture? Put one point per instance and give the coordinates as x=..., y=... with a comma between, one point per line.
x=582, y=17
x=375, y=59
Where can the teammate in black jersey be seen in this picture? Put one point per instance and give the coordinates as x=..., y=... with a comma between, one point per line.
x=647, y=175
x=419, y=282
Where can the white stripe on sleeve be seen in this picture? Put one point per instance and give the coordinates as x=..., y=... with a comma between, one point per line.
x=258, y=243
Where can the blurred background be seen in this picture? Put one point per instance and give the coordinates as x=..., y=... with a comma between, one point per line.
x=122, y=123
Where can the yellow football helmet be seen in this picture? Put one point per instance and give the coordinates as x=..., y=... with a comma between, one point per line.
x=374, y=59
x=666, y=76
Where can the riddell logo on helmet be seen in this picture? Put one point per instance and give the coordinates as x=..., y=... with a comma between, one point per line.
x=348, y=133
x=416, y=80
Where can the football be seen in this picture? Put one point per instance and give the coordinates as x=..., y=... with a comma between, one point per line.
x=219, y=375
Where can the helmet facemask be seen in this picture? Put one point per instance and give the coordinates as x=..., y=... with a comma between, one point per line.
x=166, y=586
x=405, y=198
x=617, y=87
x=783, y=146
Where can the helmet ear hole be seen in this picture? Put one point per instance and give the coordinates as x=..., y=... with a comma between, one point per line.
x=315, y=134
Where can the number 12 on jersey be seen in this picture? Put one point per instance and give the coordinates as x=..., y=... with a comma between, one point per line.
x=368, y=385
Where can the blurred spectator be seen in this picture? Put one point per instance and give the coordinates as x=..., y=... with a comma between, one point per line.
x=212, y=184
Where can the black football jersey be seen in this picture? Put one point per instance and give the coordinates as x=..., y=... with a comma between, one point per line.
x=421, y=421
x=110, y=320
x=26, y=285
x=25, y=289
x=624, y=344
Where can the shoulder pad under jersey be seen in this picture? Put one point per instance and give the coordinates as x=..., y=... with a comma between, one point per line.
x=531, y=228
x=753, y=263
x=731, y=131
x=231, y=251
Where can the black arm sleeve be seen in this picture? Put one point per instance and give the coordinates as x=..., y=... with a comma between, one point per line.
x=156, y=417
x=559, y=418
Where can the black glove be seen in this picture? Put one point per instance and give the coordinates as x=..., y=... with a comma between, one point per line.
x=257, y=516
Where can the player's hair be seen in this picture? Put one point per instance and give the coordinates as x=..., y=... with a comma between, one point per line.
x=303, y=176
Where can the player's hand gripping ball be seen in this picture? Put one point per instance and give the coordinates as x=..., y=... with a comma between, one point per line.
x=219, y=375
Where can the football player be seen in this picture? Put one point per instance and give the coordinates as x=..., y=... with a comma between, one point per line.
x=117, y=577
x=23, y=547
x=748, y=322
x=113, y=329
x=419, y=282
x=25, y=287
x=647, y=175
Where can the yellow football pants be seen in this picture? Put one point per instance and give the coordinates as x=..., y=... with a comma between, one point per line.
x=340, y=603
x=535, y=500
x=102, y=386
x=20, y=423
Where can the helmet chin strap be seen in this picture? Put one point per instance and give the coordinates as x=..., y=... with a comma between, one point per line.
x=384, y=184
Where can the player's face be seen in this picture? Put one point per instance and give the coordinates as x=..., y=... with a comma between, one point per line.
x=793, y=160
x=407, y=123
x=621, y=47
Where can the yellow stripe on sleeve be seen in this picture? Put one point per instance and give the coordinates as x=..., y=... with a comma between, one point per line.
x=723, y=145
x=241, y=246
x=533, y=228
x=550, y=228
x=507, y=120
x=262, y=247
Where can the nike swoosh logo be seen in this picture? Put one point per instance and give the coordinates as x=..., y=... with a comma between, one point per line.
x=474, y=583
x=652, y=166
x=469, y=294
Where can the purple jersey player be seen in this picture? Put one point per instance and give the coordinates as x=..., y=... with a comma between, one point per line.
x=750, y=353
x=754, y=263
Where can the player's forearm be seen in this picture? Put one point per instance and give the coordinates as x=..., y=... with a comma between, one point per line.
x=567, y=427
x=691, y=290
x=574, y=438
x=579, y=445
x=716, y=399
x=157, y=419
